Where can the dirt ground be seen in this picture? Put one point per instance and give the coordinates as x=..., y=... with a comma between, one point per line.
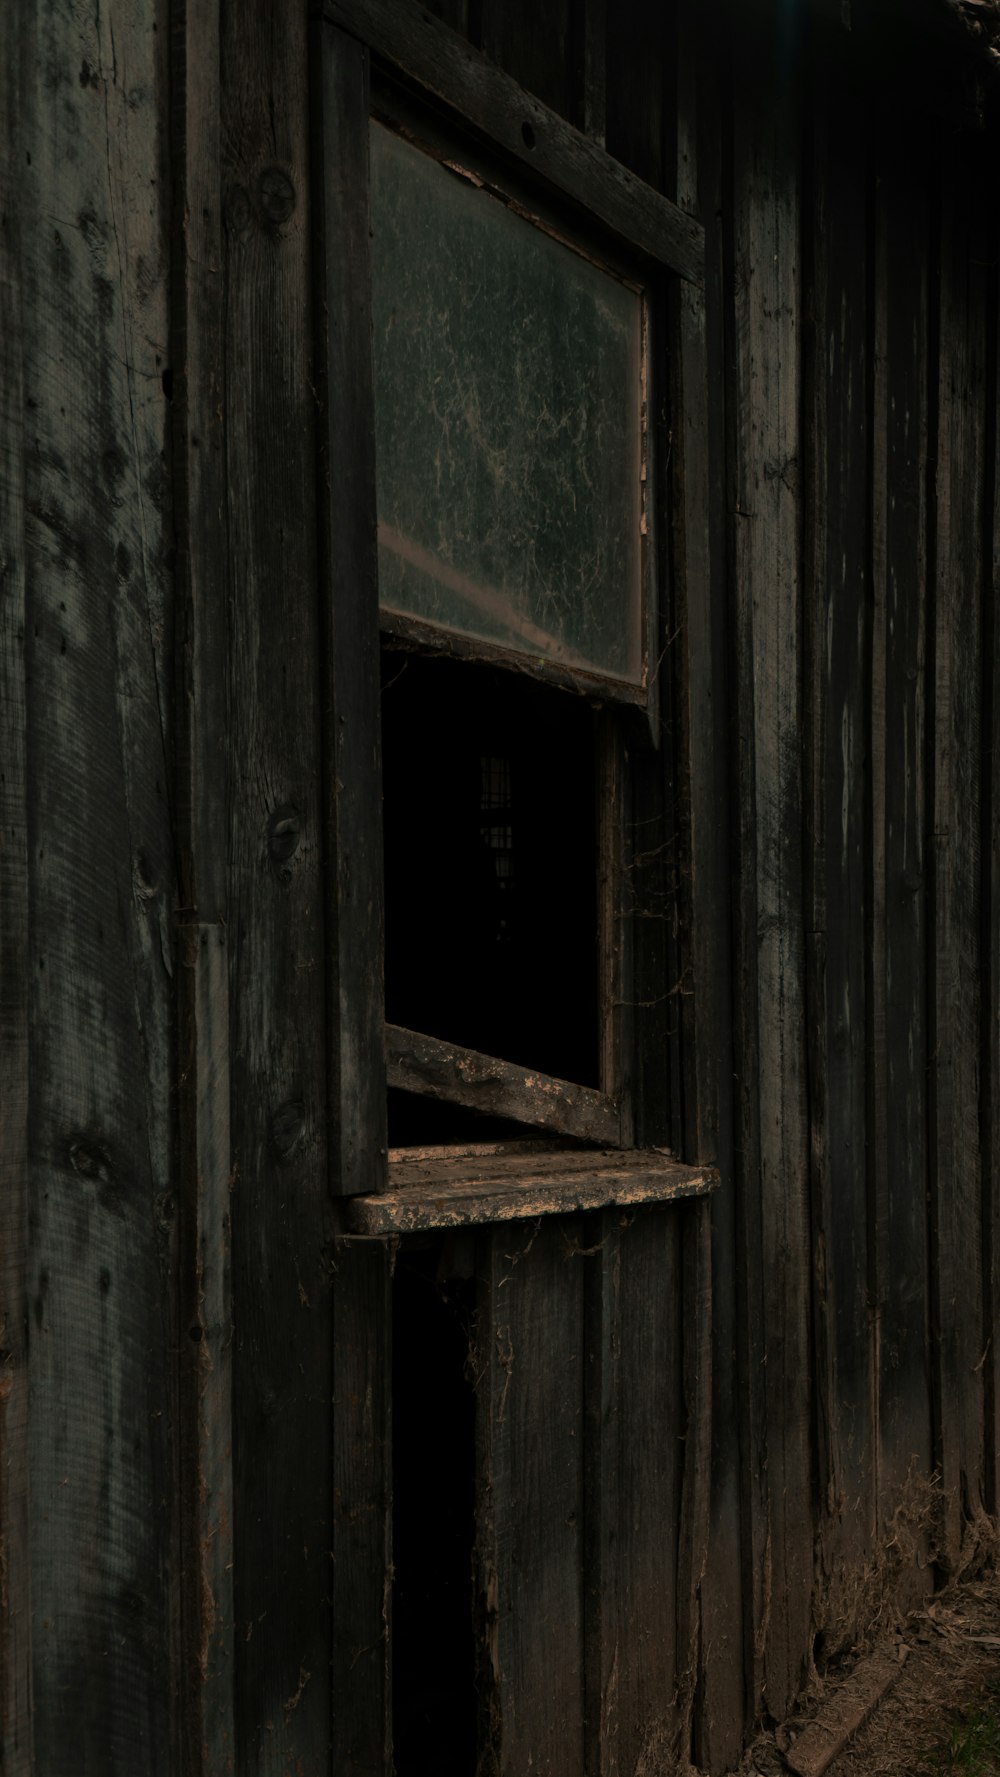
x=948, y=1652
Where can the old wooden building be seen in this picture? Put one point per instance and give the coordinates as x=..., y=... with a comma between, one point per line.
x=499, y=871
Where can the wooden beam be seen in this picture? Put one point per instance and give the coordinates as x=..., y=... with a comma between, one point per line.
x=499, y=1088
x=446, y=66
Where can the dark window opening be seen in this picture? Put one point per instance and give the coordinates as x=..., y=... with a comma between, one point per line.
x=490, y=873
x=433, y=1438
x=416, y=1121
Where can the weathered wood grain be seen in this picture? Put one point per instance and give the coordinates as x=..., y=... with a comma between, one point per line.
x=471, y=85
x=16, y=1711
x=591, y=108
x=360, y=1546
x=661, y=1543
x=350, y=645
x=418, y=1063
x=602, y=1498
x=447, y=1194
x=641, y=92
x=536, y=48
x=707, y=913
x=633, y=1397
x=955, y=769
x=990, y=1114
x=837, y=645
x=202, y=786
x=695, y=1502
x=92, y=191
x=530, y=1530
x=898, y=1058
x=767, y=473
x=278, y=948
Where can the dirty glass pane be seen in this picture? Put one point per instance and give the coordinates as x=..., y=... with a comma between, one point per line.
x=507, y=389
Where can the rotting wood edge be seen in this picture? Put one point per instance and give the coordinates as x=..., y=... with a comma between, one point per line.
x=426, y=1065
x=511, y=1188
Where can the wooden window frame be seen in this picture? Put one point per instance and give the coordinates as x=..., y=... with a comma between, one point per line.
x=440, y=68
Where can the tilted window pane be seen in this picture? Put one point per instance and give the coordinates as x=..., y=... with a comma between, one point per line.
x=508, y=375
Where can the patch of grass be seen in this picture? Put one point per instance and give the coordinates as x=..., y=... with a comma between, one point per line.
x=973, y=1748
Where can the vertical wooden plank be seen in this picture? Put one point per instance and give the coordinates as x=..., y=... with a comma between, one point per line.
x=530, y=1534
x=604, y=1423
x=592, y=105
x=634, y=1399
x=350, y=615
x=749, y=1273
x=282, y=1221
x=654, y=1540
x=100, y=1451
x=710, y=1644
x=898, y=989
x=767, y=582
x=955, y=765
x=640, y=93
x=361, y=1537
x=693, y=1660
x=452, y=12
x=16, y=1723
x=536, y=46
x=836, y=647
x=202, y=983
x=990, y=744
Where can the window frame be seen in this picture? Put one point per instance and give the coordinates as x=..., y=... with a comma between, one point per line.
x=505, y=183
x=441, y=70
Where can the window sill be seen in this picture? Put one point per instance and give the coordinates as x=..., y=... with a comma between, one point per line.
x=490, y=1182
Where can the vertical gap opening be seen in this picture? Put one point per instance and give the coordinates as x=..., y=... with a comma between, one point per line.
x=811, y=692
x=871, y=1085
x=868, y=741
x=936, y=1369
x=433, y=1514
x=989, y=912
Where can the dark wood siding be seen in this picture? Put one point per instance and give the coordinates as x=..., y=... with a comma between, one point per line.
x=89, y=1371
x=696, y=1423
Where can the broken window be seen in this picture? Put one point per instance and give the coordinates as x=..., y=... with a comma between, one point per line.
x=510, y=464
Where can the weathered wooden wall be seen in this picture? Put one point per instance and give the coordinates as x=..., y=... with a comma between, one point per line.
x=90, y=1190
x=194, y=1364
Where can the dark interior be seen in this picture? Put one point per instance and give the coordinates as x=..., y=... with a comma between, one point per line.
x=433, y=1526
x=490, y=875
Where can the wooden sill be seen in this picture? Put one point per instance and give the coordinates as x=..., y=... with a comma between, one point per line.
x=491, y=1182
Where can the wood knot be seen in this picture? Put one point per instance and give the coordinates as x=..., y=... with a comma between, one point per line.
x=284, y=830
x=91, y=1159
x=287, y=1127
x=275, y=196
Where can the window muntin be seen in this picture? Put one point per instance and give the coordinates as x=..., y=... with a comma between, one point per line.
x=509, y=423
